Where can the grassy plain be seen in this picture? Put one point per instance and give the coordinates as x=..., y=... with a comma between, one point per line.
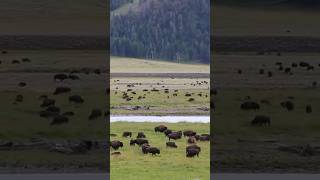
x=171, y=163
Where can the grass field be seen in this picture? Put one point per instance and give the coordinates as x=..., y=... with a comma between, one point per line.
x=170, y=164
x=160, y=103
x=20, y=122
x=239, y=147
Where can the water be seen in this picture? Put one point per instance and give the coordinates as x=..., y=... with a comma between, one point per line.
x=169, y=119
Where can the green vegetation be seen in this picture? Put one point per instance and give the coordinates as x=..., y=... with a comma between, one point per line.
x=170, y=164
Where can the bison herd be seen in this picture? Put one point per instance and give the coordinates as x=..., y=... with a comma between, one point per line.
x=48, y=103
x=141, y=140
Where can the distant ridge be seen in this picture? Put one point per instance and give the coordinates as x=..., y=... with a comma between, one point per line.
x=271, y=3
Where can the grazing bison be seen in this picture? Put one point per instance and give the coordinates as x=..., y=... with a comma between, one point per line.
x=60, y=90
x=160, y=128
x=57, y=120
x=53, y=109
x=167, y=132
x=175, y=135
x=191, y=140
x=197, y=137
x=144, y=148
x=48, y=102
x=261, y=120
x=97, y=71
x=171, y=144
x=138, y=141
x=250, y=105
x=153, y=150
x=189, y=133
x=25, y=60
x=76, y=99
x=192, y=152
x=194, y=146
x=308, y=109
x=19, y=98
x=95, y=113
x=288, y=105
x=116, y=144
x=60, y=77
x=303, y=64
x=141, y=135
x=15, y=62
x=22, y=84
x=126, y=134
x=269, y=74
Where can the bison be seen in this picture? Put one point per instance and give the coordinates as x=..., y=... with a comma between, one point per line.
x=141, y=135
x=175, y=135
x=261, y=120
x=192, y=152
x=288, y=105
x=160, y=128
x=116, y=144
x=308, y=109
x=126, y=134
x=250, y=105
x=95, y=113
x=171, y=144
x=153, y=150
x=60, y=90
x=189, y=133
x=59, y=119
x=138, y=142
x=48, y=102
x=76, y=99
x=167, y=132
x=60, y=77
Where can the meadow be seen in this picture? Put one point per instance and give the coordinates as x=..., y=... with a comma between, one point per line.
x=170, y=164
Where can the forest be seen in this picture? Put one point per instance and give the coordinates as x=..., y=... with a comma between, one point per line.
x=172, y=30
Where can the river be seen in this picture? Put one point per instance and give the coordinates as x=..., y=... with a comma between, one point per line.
x=169, y=119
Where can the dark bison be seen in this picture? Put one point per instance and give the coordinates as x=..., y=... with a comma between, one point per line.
x=95, y=113
x=48, y=102
x=116, y=144
x=60, y=77
x=175, y=135
x=189, y=133
x=57, y=120
x=171, y=144
x=19, y=98
x=60, y=90
x=191, y=140
x=160, y=128
x=192, y=152
x=269, y=74
x=308, y=109
x=53, y=109
x=15, y=62
x=167, y=132
x=138, y=141
x=97, y=71
x=250, y=105
x=261, y=120
x=153, y=150
x=141, y=135
x=204, y=137
x=22, y=84
x=194, y=146
x=287, y=105
x=197, y=137
x=76, y=99
x=144, y=148
x=25, y=60
x=126, y=134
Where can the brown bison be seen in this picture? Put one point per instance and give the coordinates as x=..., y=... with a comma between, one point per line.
x=171, y=144
x=60, y=90
x=76, y=99
x=167, y=132
x=141, y=135
x=116, y=144
x=126, y=134
x=175, y=135
x=59, y=119
x=144, y=148
x=191, y=140
x=261, y=120
x=138, y=142
x=192, y=152
x=153, y=150
x=308, y=109
x=189, y=133
x=250, y=105
x=48, y=102
x=160, y=128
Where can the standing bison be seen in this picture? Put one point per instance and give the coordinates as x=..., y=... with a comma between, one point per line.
x=160, y=128
x=116, y=144
x=261, y=121
x=250, y=105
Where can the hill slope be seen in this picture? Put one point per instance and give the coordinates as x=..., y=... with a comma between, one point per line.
x=167, y=29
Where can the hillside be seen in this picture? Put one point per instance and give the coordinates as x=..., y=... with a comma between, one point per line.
x=165, y=29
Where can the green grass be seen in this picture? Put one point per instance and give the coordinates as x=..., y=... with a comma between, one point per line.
x=125, y=65
x=171, y=163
